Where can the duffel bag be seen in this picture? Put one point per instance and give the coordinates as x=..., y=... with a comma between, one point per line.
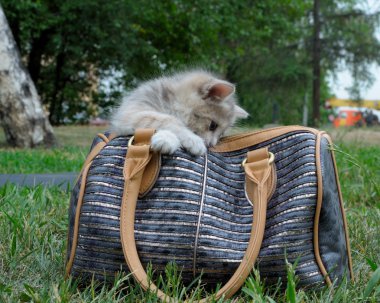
x=256, y=198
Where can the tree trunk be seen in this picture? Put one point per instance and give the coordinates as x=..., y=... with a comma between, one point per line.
x=56, y=103
x=21, y=114
x=316, y=64
x=35, y=55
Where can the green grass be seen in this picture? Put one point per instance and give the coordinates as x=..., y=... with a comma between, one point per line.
x=73, y=145
x=33, y=224
x=64, y=159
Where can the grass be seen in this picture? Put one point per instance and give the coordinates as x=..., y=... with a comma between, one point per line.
x=33, y=224
x=64, y=159
x=68, y=156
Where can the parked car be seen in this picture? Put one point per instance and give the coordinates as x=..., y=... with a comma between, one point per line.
x=349, y=117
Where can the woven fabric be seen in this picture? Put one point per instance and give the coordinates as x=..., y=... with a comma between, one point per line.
x=197, y=214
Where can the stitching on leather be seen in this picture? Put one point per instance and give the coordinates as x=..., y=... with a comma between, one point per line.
x=273, y=182
x=150, y=177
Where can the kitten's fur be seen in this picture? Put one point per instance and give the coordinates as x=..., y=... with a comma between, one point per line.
x=190, y=109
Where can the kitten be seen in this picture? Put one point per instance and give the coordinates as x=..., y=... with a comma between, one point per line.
x=189, y=109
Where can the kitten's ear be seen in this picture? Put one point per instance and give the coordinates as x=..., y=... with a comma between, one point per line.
x=220, y=90
x=240, y=113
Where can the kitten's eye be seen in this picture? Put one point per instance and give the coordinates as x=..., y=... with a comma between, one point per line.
x=213, y=126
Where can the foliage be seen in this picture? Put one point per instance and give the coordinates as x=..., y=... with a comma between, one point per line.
x=263, y=46
x=349, y=38
x=67, y=46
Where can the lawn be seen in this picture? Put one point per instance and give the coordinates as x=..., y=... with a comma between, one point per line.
x=73, y=145
x=33, y=224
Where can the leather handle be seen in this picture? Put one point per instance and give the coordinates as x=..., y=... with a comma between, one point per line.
x=258, y=171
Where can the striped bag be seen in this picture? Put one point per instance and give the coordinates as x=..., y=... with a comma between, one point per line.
x=255, y=198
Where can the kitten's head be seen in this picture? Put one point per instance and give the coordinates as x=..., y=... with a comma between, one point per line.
x=208, y=104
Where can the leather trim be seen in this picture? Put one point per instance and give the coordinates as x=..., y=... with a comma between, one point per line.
x=150, y=174
x=103, y=137
x=93, y=153
x=255, y=156
x=342, y=210
x=143, y=136
x=86, y=166
x=151, y=171
x=318, y=208
x=76, y=221
x=240, y=141
x=258, y=172
x=112, y=136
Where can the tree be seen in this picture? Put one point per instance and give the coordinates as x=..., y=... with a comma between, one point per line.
x=316, y=53
x=21, y=114
x=343, y=34
x=272, y=70
x=306, y=41
x=69, y=46
x=265, y=47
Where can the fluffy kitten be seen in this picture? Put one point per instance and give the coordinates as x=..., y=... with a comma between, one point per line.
x=189, y=109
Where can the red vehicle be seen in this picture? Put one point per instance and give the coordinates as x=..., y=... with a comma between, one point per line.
x=349, y=117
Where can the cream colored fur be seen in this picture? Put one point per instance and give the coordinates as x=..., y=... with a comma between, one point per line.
x=181, y=107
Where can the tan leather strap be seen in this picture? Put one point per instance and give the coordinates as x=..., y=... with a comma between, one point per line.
x=258, y=171
x=152, y=169
x=103, y=137
x=93, y=153
x=240, y=141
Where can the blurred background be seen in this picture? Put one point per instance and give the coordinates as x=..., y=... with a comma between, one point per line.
x=307, y=62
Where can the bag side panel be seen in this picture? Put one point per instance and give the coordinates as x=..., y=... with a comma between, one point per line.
x=332, y=236
x=74, y=201
x=99, y=249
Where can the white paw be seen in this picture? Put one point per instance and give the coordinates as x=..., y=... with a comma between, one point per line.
x=194, y=144
x=165, y=142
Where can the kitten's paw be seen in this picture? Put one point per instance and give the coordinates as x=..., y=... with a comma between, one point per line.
x=165, y=142
x=194, y=144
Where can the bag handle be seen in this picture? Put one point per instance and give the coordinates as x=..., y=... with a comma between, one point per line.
x=258, y=169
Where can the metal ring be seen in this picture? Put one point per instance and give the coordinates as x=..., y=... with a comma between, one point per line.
x=130, y=142
x=270, y=161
